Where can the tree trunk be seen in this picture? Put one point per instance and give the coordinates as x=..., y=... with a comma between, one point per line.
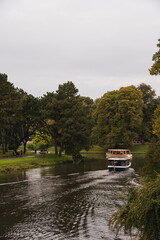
x=24, y=146
x=2, y=141
x=60, y=151
x=6, y=147
x=55, y=146
x=3, y=148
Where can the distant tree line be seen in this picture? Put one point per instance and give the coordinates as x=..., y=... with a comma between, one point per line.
x=117, y=119
x=125, y=115
x=19, y=115
x=64, y=117
x=73, y=122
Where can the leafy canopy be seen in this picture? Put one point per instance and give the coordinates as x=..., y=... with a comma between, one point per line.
x=150, y=104
x=41, y=140
x=67, y=117
x=155, y=69
x=119, y=116
x=156, y=125
x=10, y=109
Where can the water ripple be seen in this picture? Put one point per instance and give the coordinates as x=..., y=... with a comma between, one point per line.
x=74, y=206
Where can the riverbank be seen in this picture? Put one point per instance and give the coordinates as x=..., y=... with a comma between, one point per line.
x=136, y=149
x=139, y=149
x=20, y=163
x=94, y=150
x=30, y=161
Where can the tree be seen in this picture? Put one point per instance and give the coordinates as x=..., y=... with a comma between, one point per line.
x=148, y=93
x=150, y=104
x=29, y=119
x=51, y=116
x=119, y=117
x=68, y=119
x=9, y=110
x=41, y=140
x=155, y=69
x=156, y=125
x=152, y=161
x=90, y=106
x=142, y=212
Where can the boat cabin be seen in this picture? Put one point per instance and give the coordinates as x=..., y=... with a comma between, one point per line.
x=119, y=153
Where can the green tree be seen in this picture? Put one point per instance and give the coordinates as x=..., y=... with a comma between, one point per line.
x=155, y=69
x=152, y=161
x=150, y=104
x=156, y=125
x=119, y=117
x=152, y=166
x=141, y=212
x=29, y=119
x=51, y=116
x=68, y=119
x=41, y=140
x=9, y=110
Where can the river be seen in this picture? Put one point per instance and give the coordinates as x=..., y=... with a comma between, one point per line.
x=64, y=202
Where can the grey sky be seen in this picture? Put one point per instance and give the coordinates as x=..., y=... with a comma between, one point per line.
x=100, y=45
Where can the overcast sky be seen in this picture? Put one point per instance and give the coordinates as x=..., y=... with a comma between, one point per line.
x=99, y=45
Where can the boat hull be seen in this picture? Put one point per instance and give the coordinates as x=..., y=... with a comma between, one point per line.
x=119, y=167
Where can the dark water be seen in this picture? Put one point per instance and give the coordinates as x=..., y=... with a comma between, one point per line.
x=66, y=202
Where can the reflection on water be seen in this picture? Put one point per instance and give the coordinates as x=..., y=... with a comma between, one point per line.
x=63, y=202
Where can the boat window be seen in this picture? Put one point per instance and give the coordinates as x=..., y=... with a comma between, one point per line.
x=111, y=163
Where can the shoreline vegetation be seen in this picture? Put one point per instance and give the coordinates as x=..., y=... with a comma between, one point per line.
x=32, y=160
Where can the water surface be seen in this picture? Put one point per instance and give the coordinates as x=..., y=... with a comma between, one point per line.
x=64, y=202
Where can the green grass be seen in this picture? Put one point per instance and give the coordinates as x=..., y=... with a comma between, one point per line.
x=31, y=162
x=94, y=156
x=94, y=149
x=9, y=154
x=51, y=149
x=142, y=148
x=8, y=164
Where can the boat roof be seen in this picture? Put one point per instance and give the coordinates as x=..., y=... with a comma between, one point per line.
x=118, y=150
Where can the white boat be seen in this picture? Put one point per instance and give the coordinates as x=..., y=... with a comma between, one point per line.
x=113, y=153
x=118, y=159
x=118, y=164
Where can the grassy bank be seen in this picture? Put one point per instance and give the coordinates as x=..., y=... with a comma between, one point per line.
x=139, y=149
x=31, y=162
x=9, y=154
x=94, y=149
x=9, y=164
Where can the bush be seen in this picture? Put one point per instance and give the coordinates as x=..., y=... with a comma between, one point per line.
x=30, y=146
x=152, y=166
x=142, y=212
